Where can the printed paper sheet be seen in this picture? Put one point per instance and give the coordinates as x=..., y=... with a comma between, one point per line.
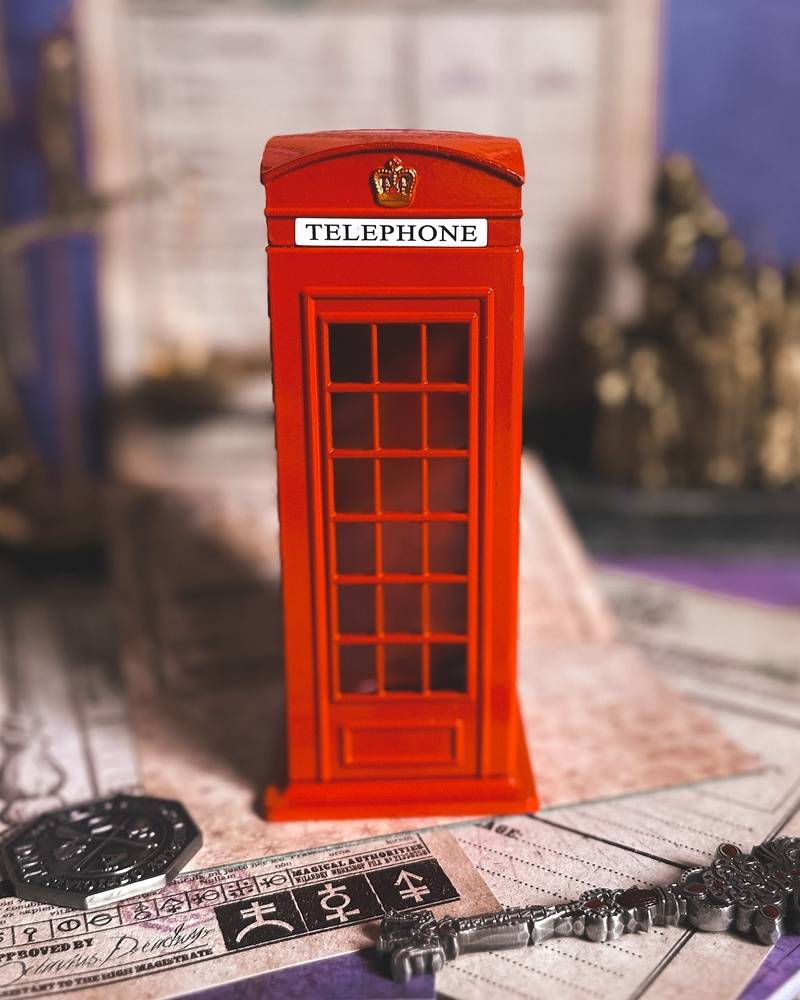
x=197, y=587
x=737, y=659
x=65, y=732
x=220, y=924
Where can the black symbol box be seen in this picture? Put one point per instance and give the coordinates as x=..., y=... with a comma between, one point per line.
x=338, y=901
x=413, y=885
x=259, y=920
x=332, y=903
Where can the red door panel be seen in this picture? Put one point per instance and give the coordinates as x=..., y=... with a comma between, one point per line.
x=398, y=390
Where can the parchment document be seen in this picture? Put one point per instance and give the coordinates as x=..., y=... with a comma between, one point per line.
x=741, y=662
x=197, y=586
x=64, y=729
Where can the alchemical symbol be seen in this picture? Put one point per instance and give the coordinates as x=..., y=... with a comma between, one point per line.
x=408, y=889
x=336, y=911
x=258, y=912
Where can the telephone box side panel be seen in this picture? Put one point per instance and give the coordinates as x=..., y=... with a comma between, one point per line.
x=502, y=521
x=296, y=530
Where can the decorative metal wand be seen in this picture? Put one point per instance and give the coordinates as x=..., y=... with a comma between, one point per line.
x=757, y=894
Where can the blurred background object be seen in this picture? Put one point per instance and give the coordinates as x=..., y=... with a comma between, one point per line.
x=180, y=98
x=662, y=329
x=704, y=388
x=51, y=428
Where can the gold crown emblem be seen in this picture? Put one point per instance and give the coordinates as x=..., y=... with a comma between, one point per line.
x=394, y=184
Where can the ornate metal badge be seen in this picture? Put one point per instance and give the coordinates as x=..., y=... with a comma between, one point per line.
x=92, y=854
x=756, y=894
x=394, y=184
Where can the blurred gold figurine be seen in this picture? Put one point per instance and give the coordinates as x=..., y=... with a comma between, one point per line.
x=703, y=390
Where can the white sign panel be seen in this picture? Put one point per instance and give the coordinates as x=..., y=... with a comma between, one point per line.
x=331, y=232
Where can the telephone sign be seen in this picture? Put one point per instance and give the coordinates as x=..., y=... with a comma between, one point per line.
x=393, y=233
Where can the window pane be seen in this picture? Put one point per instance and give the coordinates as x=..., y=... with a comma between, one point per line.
x=448, y=352
x=350, y=357
x=399, y=352
x=447, y=484
x=356, y=609
x=353, y=485
x=448, y=608
x=357, y=670
x=401, y=484
x=448, y=667
x=402, y=608
x=351, y=417
x=402, y=547
x=355, y=548
x=447, y=547
x=400, y=420
x=448, y=426
x=403, y=667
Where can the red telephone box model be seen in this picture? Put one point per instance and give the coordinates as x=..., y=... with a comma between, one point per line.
x=395, y=290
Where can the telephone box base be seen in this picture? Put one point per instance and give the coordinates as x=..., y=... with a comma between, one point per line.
x=438, y=796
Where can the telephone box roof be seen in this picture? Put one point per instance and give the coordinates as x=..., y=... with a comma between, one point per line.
x=497, y=154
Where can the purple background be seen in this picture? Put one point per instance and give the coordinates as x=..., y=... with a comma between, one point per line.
x=770, y=581
x=730, y=81
x=59, y=271
x=341, y=978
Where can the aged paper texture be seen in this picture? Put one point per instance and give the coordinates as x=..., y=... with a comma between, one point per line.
x=216, y=925
x=64, y=730
x=741, y=662
x=197, y=578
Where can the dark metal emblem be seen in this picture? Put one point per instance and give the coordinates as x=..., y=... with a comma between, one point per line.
x=756, y=894
x=99, y=852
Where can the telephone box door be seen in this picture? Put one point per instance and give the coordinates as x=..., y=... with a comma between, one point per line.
x=399, y=396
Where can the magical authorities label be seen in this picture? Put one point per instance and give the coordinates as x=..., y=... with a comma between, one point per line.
x=328, y=232
x=210, y=914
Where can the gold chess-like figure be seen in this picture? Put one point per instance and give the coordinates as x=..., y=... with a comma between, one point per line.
x=704, y=389
x=779, y=300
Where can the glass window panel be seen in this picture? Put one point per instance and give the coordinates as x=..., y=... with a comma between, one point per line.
x=401, y=484
x=399, y=352
x=402, y=547
x=357, y=670
x=400, y=420
x=350, y=346
x=356, y=609
x=355, y=548
x=448, y=424
x=447, y=547
x=353, y=485
x=403, y=667
x=402, y=608
x=351, y=419
x=448, y=352
x=448, y=667
x=448, y=608
x=447, y=485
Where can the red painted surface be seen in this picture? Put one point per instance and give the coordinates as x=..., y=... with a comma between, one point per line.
x=397, y=379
